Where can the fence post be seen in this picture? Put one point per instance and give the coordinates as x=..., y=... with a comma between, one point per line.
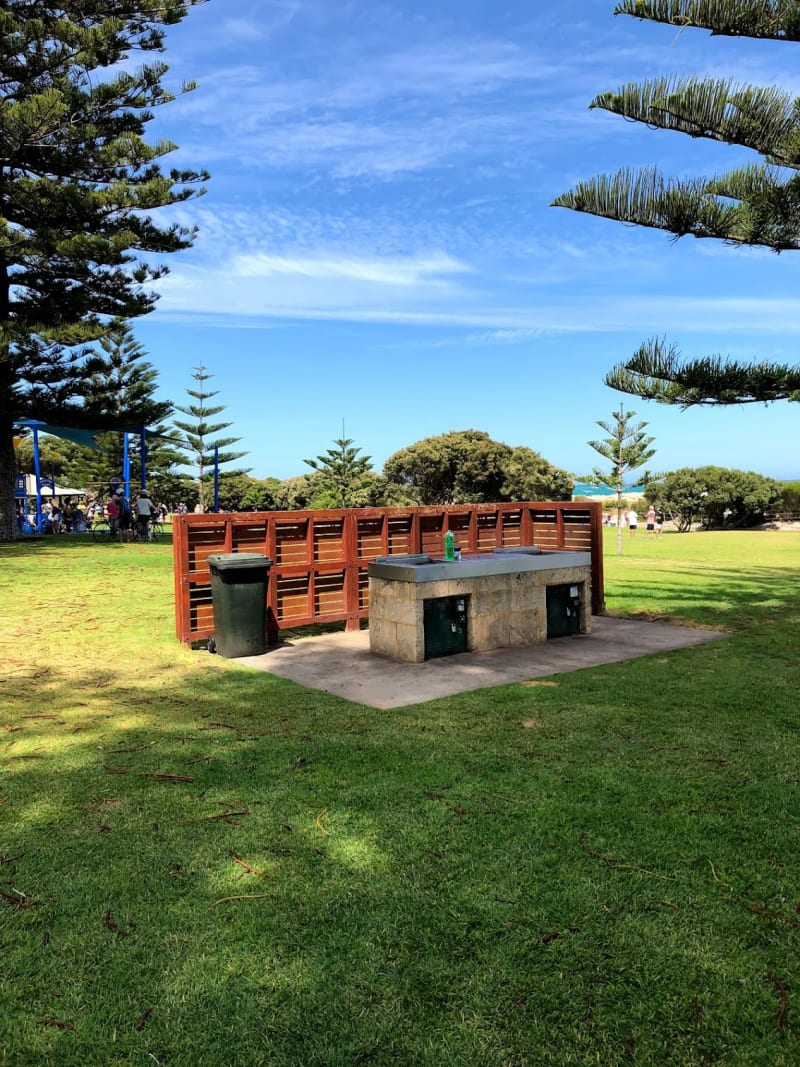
x=351, y=570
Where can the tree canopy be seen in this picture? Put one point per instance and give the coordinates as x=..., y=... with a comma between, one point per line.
x=467, y=466
x=78, y=186
x=757, y=204
x=344, y=477
x=715, y=497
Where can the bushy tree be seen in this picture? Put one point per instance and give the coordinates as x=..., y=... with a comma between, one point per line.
x=78, y=186
x=172, y=489
x=54, y=454
x=757, y=204
x=790, y=500
x=627, y=448
x=468, y=467
x=241, y=492
x=453, y=468
x=296, y=494
x=261, y=495
x=715, y=497
x=528, y=476
x=199, y=434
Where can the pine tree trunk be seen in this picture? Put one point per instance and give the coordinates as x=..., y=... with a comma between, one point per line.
x=8, y=467
x=9, y=530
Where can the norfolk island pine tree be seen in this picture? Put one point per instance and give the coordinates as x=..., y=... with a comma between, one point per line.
x=627, y=448
x=78, y=185
x=197, y=433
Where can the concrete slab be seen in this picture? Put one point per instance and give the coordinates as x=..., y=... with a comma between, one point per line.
x=342, y=663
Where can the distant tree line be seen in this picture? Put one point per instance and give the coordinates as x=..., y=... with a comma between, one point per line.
x=458, y=467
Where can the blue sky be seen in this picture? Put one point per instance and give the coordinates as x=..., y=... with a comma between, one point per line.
x=376, y=244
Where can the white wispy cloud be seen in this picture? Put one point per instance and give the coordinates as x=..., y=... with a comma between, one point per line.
x=402, y=108
x=428, y=292
x=401, y=273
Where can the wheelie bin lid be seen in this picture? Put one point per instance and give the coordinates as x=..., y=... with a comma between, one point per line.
x=236, y=561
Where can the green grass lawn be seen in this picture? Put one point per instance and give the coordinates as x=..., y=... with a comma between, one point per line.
x=202, y=864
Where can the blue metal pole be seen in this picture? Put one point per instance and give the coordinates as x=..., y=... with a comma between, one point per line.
x=216, y=478
x=37, y=466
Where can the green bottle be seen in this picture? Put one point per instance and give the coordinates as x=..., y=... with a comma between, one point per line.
x=449, y=545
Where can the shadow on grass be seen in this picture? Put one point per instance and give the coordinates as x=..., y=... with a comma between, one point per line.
x=727, y=597
x=235, y=870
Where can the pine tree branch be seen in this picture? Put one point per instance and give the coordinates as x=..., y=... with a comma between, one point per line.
x=657, y=372
x=777, y=20
x=762, y=118
x=703, y=208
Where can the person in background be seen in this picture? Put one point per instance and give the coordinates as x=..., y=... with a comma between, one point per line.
x=77, y=520
x=659, y=523
x=56, y=518
x=124, y=514
x=112, y=511
x=144, y=513
x=650, y=520
x=633, y=522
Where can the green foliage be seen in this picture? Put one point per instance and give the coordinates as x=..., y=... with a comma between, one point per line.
x=778, y=20
x=239, y=492
x=528, y=476
x=453, y=468
x=261, y=494
x=657, y=372
x=121, y=382
x=296, y=494
x=173, y=489
x=467, y=466
x=790, y=499
x=756, y=204
x=344, y=480
x=715, y=497
x=198, y=434
x=54, y=453
x=79, y=184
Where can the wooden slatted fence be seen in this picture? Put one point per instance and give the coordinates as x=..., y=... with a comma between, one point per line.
x=320, y=558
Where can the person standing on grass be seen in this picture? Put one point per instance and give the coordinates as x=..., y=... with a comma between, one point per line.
x=124, y=515
x=650, y=520
x=112, y=511
x=144, y=512
x=659, y=523
x=633, y=522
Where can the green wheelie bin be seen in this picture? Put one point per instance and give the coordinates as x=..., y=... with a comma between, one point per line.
x=239, y=596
